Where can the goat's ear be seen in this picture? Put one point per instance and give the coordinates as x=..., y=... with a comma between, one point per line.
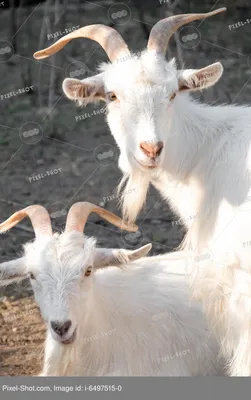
x=12, y=271
x=198, y=79
x=117, y=257
x=85, y=91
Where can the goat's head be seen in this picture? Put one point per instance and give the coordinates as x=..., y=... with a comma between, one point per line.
x=139, y=89
x=61, y=267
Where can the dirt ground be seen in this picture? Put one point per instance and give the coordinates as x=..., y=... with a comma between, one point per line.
x=64, y=166
x=22, y=336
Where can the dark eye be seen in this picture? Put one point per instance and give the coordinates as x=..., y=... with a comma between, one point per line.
x=88, y=271
x=173, y=96
x=111, y=96
x=31, y=275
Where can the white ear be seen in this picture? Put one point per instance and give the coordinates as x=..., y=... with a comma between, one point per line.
x=116, y=257
x=12, y=271
x=198, y=79
x=85, y=91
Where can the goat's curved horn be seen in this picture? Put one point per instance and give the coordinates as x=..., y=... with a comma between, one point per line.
x=38, y=215
x=111, y=41
x=79, y=213
x=165, y=28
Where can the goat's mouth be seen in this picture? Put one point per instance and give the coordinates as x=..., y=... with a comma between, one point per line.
x=70, y=340
x=151, y=165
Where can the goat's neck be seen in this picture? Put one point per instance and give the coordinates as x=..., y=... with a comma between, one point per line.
x=196, y=135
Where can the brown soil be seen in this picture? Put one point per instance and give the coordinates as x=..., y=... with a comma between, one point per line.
x=21, y=337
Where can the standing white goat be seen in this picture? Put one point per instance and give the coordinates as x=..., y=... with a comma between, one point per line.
x=198, y=156
x=107, y=315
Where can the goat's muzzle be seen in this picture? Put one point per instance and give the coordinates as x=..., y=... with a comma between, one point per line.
x=152, y=150
x=61, y=329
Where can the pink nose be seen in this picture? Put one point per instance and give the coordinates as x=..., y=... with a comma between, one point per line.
x=151, y=150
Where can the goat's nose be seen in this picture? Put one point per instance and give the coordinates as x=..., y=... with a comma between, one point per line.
x=151, y=150
x=61, y=328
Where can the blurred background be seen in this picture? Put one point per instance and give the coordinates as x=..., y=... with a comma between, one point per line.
x=55, y=154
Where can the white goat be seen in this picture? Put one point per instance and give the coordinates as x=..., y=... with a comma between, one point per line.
x=198, y=156
x=130, y=318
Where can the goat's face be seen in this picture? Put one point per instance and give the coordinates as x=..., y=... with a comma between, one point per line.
x=138, y=92
x=59, y=271
x=139, y=109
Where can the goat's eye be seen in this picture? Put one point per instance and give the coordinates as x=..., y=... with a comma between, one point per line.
x=173, y=96
x=88, y=271
x=111, y=96
x=31, y=275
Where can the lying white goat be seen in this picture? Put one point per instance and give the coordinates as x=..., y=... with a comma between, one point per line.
x=198, y=156
x=107, y=315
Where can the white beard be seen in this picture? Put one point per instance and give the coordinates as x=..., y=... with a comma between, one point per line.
x=132, y=192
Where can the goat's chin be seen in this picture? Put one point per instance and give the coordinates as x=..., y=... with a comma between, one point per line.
x=132, y=192
x=70, y=339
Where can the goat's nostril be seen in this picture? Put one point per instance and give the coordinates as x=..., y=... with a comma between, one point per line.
x=160, y=147
x=152, y=150
x=61, y=328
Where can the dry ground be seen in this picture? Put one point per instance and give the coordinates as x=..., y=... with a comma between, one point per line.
x=21, y=337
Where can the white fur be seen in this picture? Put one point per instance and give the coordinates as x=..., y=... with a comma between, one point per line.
x=203, y=171
x=137, y=321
